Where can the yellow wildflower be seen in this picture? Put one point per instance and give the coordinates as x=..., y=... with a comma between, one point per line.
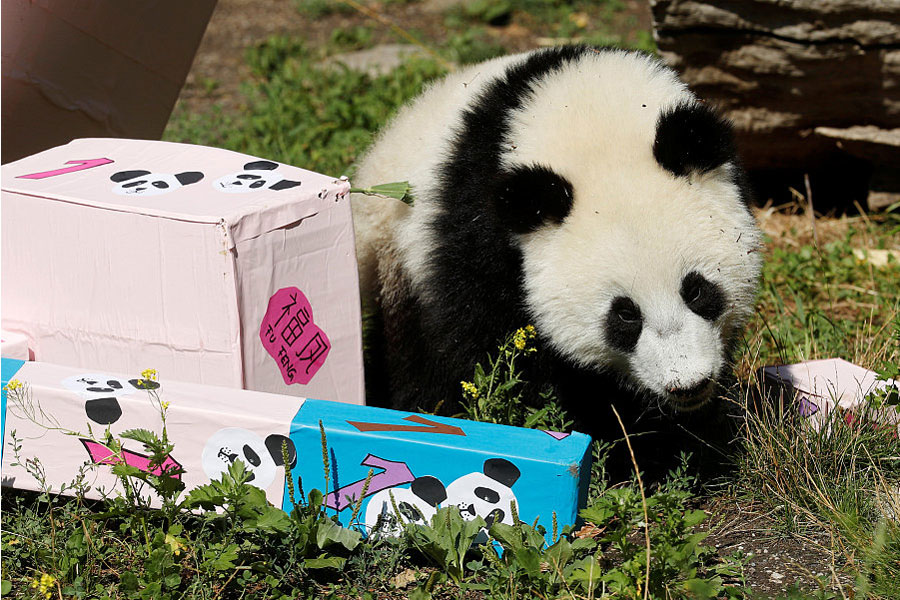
x=470, y=389
x=164, y=404
x=14, y=384
x=150, y=374
x=175, y=544
x=43, y=584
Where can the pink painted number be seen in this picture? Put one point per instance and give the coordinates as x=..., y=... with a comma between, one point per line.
x=78, y=165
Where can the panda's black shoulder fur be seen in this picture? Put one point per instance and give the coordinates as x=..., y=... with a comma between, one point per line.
x=465, y=316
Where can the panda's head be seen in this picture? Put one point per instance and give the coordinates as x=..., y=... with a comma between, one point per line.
x=487, y=494
x=260, y=457
x=627, y=204
x=257, y=175
x=145, y=183
x=416, y=504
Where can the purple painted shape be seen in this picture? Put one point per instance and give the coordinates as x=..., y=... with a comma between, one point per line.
x=395, y=473
x=557, y=435
x=80, y=165
x=291, y=337
x=807, y=407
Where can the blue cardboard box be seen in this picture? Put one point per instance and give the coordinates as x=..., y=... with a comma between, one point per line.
x=425, y=461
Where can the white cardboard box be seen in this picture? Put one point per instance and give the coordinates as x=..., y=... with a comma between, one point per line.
x=207, y=265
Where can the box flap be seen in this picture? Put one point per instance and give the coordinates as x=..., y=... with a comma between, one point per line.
x=176, y=181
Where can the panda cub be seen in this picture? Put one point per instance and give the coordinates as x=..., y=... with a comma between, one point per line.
x=585, y=191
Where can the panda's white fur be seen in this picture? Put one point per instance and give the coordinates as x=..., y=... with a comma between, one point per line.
x=643, y=221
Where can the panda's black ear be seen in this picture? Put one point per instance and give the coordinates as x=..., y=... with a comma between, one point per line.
x=273, y=445
x=261, y=165
x=530, y=197
x=126, y=175
x=189, y=177
x=501, y=470
x=692, y=137
x=430, y=489
x=284, y=184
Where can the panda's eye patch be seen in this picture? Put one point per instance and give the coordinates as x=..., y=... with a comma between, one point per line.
x=624, y=323
x=161, y=185
x=530, y=197
x=495, y=516
x=134, y=183
x=487, y=495
x=252, y=457
x=702, y=296
x=257, y=184
x=248, y=176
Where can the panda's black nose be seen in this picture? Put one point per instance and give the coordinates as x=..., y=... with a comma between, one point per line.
x=690, y=391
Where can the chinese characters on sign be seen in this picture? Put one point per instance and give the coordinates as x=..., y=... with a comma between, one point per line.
x=289, y=334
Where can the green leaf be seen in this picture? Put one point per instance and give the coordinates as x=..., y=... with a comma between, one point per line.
x=399, y=190
x=273, y=520
x=205, y=496
x=329, y=532
x=587, y=573
x=222, y=560
x=145, y=436
x=703, y=588
x=324, y=562
x=5, y=587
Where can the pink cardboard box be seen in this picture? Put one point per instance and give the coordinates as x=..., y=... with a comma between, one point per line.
x=821, y=385
x=209, y=427
x=13, y=345
x=208, y=265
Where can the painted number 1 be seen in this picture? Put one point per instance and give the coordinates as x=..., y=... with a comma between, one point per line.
x=77, y=165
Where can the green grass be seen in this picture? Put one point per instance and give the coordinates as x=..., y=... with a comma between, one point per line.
x=302, y=113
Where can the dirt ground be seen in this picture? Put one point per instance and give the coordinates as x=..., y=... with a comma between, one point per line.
x=219, y=69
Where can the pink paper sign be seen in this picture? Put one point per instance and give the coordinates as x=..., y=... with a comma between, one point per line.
x=289, y=334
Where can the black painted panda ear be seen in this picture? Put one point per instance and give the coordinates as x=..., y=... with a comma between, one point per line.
x=126, y=175
x=144, y=384
x=284, y=184
x=430, y=489
x=502, y=471
x=273, y=445
x=189, y=177
x=529, y=197
x=692, y=137
x=261, y=165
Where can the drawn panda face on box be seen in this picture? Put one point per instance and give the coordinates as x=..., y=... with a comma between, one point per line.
x=101, y=392
x=416, y=504
x=487, y=494
x=261, y=457
x=257, y=176
x=145, y=183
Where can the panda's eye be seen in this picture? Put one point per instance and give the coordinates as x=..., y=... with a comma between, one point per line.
x=160, y=184
x=626, y=310
x=702, y=296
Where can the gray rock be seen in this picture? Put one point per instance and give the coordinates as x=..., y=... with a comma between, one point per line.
x=377, y=60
